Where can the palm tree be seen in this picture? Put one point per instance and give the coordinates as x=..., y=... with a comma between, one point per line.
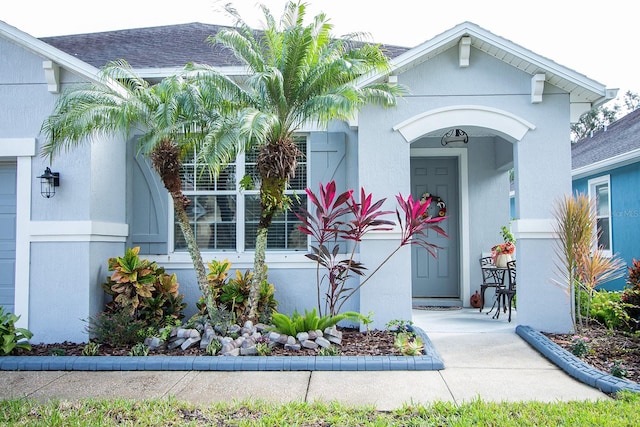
x=169, y=116
x=297, y=74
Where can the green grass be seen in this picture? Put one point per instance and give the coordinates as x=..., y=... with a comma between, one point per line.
x=621, y=411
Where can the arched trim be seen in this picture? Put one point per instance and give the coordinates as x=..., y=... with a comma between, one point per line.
x=464, y=115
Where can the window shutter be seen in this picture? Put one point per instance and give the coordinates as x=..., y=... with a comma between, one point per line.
x=327, y=159
x=149, y=221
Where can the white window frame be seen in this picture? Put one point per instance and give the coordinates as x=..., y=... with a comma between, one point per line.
x=593, y=184
x=240, y=213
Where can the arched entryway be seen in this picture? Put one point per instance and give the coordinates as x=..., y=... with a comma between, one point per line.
x=497, y=128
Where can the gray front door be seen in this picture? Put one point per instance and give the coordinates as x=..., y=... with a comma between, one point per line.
x=7, y=234
x=439, y=277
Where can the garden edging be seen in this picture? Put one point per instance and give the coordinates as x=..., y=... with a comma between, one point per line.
x=573, y=365
x=429, y=361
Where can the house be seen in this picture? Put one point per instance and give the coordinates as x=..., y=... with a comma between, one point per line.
x=606, y=166
x=479, y=106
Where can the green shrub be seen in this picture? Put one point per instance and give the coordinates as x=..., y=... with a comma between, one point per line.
x=10, y=336
x=232, y=294
x=90, y=349
x=116, y=328
x=292, y=325
x=142, y=289
x=631, y=294
x=609, y=309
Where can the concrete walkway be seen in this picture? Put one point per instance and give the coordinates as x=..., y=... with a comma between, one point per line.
x=483, y=357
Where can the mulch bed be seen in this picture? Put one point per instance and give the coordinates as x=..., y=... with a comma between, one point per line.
x=354, y=343
x=606, y=347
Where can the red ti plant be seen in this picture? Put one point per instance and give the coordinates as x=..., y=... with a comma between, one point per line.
x=341, y=217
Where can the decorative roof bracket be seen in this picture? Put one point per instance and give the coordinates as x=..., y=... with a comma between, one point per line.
x=537, y=88
x=464, y=51
x=52, y=76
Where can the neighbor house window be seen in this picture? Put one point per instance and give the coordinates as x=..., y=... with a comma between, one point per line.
x=599, y=192
x=225, y=217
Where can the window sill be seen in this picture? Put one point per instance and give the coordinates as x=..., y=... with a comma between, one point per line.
x=279, y=259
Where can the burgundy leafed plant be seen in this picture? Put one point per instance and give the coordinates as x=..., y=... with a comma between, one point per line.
x=341, y=217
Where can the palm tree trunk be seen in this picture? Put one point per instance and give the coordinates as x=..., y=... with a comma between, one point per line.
x=166, y=161
x=194, y=252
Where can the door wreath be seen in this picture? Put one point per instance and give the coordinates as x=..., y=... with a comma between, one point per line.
x=440, y=204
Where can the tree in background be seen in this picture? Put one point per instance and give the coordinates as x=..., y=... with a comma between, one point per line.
x=599, y=117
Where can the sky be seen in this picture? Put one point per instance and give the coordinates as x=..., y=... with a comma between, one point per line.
x=593, y=37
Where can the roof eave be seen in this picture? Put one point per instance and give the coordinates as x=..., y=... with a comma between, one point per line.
x=45, y=50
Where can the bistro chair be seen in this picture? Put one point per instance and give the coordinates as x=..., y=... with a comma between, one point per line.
x=492, y=277
x=507, y=293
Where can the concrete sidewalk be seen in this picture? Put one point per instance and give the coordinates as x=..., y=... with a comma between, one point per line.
x=483, y=357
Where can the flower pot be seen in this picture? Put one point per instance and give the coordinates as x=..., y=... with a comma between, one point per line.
x=503, y=259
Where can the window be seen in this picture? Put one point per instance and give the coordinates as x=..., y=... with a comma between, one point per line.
x=599, y=192
x=219, y=205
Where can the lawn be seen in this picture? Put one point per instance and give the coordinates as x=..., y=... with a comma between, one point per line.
x=621, y=411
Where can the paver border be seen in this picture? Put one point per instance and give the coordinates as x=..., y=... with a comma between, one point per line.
x=573, y=365
x=429, y=361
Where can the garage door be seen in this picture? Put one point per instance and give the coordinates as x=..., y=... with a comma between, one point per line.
x=7, y=234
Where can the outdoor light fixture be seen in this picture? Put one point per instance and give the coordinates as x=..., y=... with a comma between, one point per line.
x=48, y=183
x=454, y=135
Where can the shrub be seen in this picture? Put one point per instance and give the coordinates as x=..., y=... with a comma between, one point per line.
x=631, y=294
x=143, y=290
x=116, y=328
x=292, y=325
x=339, y=217
x=609, y=309
x=232, y=294
x=10, y=336
x=580, y=345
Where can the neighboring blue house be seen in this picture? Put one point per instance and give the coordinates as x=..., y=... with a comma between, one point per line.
x=515, y=106
x=606, y=166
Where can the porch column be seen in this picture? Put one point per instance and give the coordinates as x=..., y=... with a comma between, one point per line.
x=383, y=171
x=542, y=176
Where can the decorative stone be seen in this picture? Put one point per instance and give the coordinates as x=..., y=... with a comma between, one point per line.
x=248, y=324
x=284, y=339
x=309, y=344
x=226, y=348
x=312, y=335
x=323, y=342
x=319, y=333
x=249, y=351
x=154, y=343
x=232, y=352
x=261, y=327
x=233, y=329
x=194, y=334
x=190, y=342
x=302, y=336
x=273, y=336
x=334, y=332
x=294, y=347
x=291, y=340
x=175, y=344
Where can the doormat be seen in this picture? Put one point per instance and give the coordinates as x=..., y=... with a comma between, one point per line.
x=436, y=308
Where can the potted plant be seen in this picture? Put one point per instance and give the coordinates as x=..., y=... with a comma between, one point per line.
x=503, y=253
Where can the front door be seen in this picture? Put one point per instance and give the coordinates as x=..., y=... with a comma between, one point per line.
x=437, y=277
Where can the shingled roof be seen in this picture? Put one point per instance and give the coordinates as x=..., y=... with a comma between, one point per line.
x=619, y=138
x=167, y=46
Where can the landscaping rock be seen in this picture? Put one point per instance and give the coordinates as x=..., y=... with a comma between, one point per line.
x=309, y=344
x=232, y=352
x=248, y=351
x=190, y=342
x=323, y=342
x=293, y=347
x=302, y=336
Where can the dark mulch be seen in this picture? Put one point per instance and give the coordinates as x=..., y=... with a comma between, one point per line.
x=606, y=347
x=354, y=343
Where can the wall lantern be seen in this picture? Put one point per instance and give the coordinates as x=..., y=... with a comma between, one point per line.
x=454, y=135
x=48, y=183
